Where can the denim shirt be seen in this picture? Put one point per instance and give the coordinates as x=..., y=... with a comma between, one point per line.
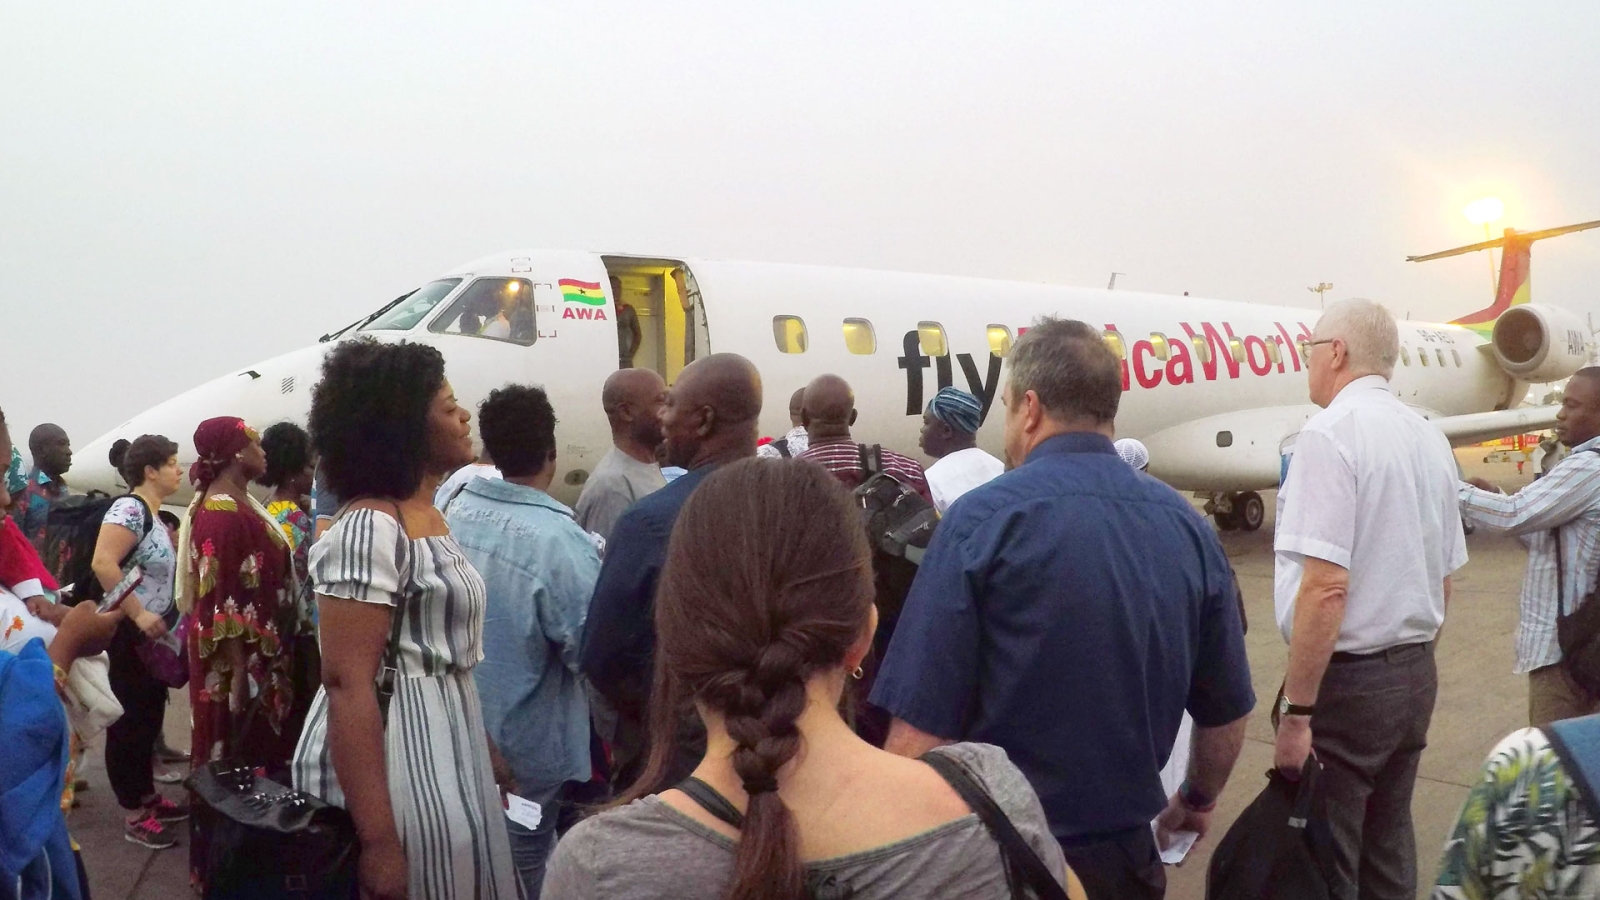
x=540, y=569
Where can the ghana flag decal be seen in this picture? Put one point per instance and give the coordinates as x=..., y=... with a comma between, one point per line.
x=585, y=292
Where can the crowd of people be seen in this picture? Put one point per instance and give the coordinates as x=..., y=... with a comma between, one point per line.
x=680, y=676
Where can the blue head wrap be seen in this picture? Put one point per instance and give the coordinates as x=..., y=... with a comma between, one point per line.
x=958, y=409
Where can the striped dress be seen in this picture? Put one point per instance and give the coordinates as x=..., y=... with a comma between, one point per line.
x=446, y=805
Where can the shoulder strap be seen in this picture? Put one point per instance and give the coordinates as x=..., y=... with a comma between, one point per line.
x=148, y=524
x=1577, y=744
x=782, y=446
x=389, y=668
x=1022, y=863
x=871, y=460
x=711, y=801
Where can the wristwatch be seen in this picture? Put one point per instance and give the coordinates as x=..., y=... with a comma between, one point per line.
x=1285, y=708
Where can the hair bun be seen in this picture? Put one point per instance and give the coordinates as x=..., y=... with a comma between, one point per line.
x=119, y=452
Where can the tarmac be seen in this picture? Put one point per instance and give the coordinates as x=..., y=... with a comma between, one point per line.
x=1480, y=701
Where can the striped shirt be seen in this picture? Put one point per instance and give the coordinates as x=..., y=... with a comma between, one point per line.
x=1567, y=498
x=842, y=457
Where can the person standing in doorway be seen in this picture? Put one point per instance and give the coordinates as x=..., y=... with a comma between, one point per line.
x=1368, y=534
x=1563, y=506
x=632, y=399
x=950, y=435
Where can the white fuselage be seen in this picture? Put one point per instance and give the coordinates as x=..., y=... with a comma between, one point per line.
x=1213, y=408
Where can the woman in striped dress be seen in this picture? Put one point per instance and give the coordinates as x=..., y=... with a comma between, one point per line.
x=418, y=781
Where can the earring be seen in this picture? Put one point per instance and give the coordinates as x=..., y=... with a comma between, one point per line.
x=858, y=674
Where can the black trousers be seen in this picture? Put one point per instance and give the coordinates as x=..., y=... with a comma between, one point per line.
x=1124, y=867
x=131, y=740
x=1369, y=731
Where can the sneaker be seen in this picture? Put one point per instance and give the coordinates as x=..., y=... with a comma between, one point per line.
x=147, y=832
x=167, y=776
x=168, y=754
x=164, y=810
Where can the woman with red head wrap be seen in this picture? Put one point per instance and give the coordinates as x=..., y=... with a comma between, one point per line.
x=236, y=584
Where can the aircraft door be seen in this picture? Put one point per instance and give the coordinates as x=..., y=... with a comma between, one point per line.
x=661, y=323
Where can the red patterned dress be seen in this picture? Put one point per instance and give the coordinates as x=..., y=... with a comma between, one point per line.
x=241, y=577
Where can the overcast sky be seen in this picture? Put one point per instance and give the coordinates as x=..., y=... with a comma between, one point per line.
x=186, y=188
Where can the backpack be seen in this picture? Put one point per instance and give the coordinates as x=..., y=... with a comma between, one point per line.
x=69, y=538
x=1280, y=846
x=1576, y=743
x=899, y=524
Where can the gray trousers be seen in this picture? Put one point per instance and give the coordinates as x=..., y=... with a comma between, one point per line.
x=1369, y=731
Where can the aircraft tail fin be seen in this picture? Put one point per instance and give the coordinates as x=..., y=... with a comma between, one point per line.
x=1516, y=258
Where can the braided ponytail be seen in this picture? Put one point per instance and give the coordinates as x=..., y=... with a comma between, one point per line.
x=767, y=584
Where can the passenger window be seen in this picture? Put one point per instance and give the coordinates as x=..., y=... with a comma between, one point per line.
x=1440, y=353
x=1422, y=357
x=497, y=308
x=859, y=337
x=1000, y=341
x=1405, y=355
x=1238, y=349
x=1457, y=354
x=790, y=334
x=1114, y=341
x=1158, y=344
x=1224, y=439
x=1272, y=351
x=1202, y=348
x=931, y=336
x=408, y=312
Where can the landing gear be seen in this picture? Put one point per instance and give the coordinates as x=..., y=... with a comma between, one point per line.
x=1238, y=511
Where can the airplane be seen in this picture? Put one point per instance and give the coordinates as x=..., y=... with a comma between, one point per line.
x=1212, y=387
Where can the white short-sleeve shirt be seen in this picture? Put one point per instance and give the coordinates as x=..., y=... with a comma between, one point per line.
x=1372, y=487
x=960, y=472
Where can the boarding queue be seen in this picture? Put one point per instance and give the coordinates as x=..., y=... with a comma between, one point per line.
x=789, y=667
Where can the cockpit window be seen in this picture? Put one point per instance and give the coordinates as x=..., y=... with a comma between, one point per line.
x=497, y=308
x=408, y=312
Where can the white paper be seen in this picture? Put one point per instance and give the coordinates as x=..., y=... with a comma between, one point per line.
x=524, y=812
x=1176, y=846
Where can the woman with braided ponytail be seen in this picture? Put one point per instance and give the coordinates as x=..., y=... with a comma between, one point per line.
x=763, y=614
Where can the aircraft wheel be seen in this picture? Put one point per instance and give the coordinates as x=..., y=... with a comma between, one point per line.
x=1250, y=511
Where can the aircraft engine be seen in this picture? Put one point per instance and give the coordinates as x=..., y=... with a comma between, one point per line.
x=1536, y=344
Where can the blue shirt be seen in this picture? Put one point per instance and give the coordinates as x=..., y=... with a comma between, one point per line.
x=619, y=646
x=539, y=569
x=1070, y=611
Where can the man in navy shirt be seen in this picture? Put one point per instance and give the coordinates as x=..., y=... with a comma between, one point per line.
x=710, y=418
x=1069, y=611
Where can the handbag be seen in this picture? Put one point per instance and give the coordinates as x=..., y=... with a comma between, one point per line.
x=1578, y=631
x=269, y=841
x=163, y=658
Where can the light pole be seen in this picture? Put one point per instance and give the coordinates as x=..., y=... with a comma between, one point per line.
x=1483, y=212
x=1322, y=288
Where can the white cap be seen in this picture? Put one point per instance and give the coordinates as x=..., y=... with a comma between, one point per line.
x=1133, y=453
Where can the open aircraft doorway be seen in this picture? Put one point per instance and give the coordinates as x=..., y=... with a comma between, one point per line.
x=661, y=323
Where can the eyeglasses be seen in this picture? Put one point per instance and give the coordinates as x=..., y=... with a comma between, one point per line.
x=1323, y=341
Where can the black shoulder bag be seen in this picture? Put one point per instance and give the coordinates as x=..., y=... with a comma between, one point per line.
x=269, y=841
x=1578, y=630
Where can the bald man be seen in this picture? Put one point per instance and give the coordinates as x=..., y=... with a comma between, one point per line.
x=829, y=412
x=709, y=418
x=52, y=458
x=632, y=399
x=795, y=442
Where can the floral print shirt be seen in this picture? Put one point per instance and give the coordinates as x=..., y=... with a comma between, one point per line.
x=1525, y=830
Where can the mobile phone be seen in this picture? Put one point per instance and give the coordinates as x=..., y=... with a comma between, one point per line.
x=114, y=597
